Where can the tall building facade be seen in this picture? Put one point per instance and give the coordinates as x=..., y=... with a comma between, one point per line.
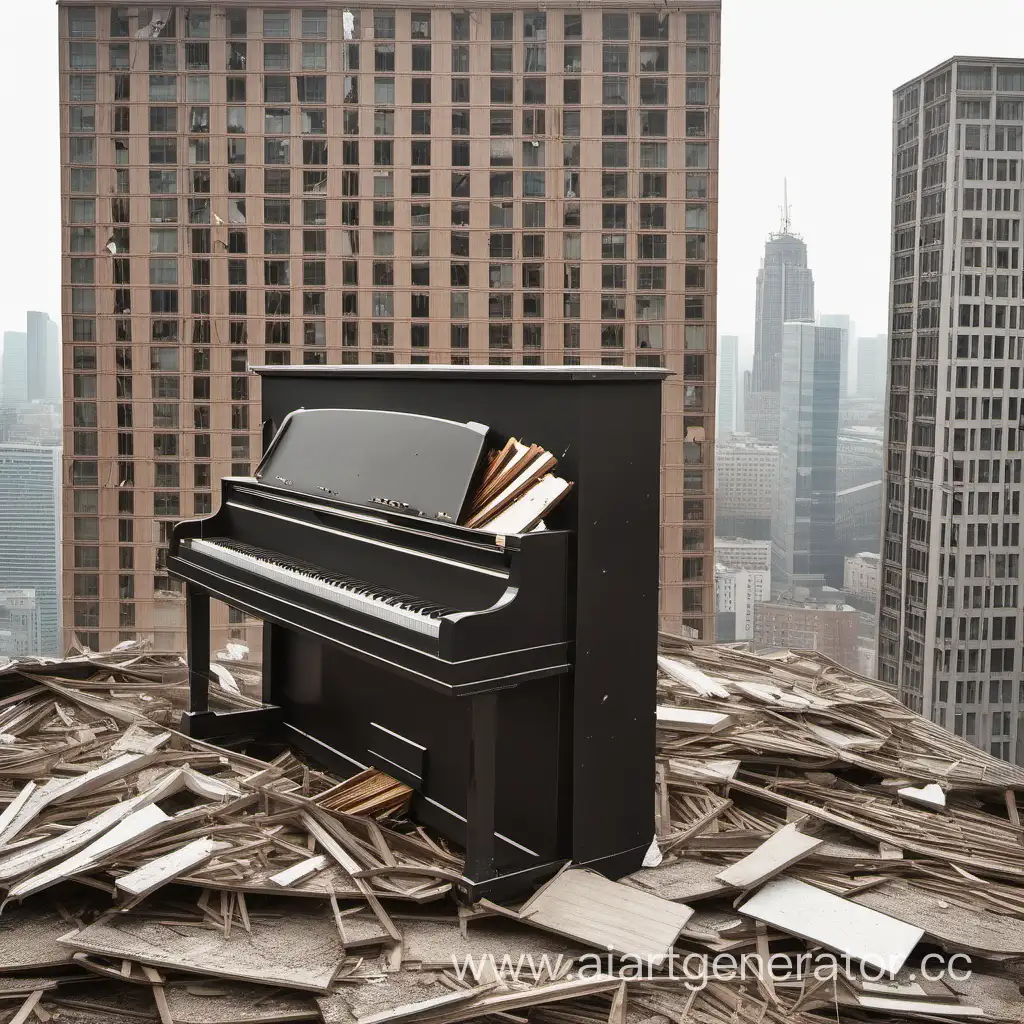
x=846, y=361
x=949, y=624
x=872, y=367
x=30, y=534
x=804, y=552
x=785, y=292
x=505, y=183
x=42, y=357
x=14, y=369
x=728, y=383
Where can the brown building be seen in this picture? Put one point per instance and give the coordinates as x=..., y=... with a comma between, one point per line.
x=831, y=629
x=498, y=182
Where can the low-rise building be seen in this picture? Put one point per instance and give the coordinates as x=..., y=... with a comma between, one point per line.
x=860, y=575
x=830, y=628
x=741, y=553
x=19, y=623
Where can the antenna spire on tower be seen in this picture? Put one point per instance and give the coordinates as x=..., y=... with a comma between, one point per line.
x=785, y=207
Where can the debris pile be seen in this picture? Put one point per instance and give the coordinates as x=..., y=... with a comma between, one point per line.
x=818, y=846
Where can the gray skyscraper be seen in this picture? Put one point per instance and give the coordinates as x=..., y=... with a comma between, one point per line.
x=42, y=374
x=785, y=292
x=14, y=368
x=30, y=533
x=804, y=552
x=871, y=367
x=728, y=383
x=950, y=632
x=849, y=328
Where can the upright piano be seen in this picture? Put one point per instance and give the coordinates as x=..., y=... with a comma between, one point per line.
x=508, y=680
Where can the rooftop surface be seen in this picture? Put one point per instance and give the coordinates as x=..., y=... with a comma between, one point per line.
x=799, y=807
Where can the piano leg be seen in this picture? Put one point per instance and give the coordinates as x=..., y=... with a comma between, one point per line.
x=197, y=612
x=199, y=721
x=480, y=862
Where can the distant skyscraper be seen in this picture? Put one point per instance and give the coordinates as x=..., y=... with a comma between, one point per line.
x=728, y=383
x=871, y=367
x=849, y=328
x=30, y=534
x=949, y=630
x=43, y=376
x=14, y=368
x=785, y=292
x=804, y=552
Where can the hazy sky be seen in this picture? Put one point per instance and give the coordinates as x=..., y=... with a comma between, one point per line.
x=806, y=95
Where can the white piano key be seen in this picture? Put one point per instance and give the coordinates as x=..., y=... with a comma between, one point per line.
x=340, y=595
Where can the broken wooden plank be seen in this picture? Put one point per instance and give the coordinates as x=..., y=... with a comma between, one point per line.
x=126, y=833
x=33, y=857
x=771, y=858
x=584, y=905
x=811, y=913
x=693, y=720
x=345, y=860
x=299, y=872
x=146, y=879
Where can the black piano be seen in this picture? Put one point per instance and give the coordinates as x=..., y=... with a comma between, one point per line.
x=508, y=679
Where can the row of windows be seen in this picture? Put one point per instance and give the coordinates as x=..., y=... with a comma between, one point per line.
x=501, y=305
x=313, y=24
x=615, y=59
x=166, y=332
x=277, y=273
x=164, y=151
x=312, y=89
x=278, y=121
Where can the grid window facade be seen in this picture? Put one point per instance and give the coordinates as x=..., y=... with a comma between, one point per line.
x=300, y=185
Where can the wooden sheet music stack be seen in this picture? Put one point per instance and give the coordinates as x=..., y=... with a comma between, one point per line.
x=517, y=490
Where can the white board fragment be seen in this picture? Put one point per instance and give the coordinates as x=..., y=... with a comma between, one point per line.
x=581, y=904
x=145, y=879
x=810, y=913
x=692, y=720
x=931, y=795
x=772, y=857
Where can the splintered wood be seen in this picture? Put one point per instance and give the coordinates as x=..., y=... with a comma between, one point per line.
x=800, y=809
x=517, y=490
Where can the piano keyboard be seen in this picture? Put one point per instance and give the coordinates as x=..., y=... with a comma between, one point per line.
x=368, y=598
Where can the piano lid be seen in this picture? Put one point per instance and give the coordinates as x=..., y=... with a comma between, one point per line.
x=421, y=465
